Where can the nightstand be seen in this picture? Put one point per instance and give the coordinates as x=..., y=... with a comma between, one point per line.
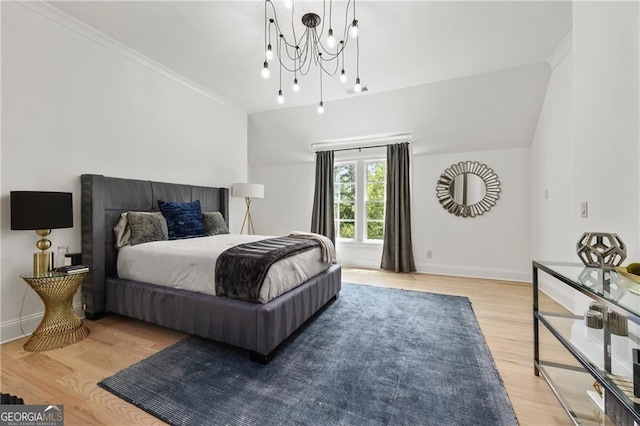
x=60, y=326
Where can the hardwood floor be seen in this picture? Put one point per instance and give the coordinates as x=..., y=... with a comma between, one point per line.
x=69, y=375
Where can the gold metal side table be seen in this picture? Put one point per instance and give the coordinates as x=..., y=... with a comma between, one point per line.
x=60, y=326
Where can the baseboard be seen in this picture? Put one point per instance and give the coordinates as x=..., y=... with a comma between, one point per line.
x=13, y=329
x=361, y=262
x=474, y=272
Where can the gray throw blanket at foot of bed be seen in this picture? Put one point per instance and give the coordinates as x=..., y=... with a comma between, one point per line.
x=241, y=270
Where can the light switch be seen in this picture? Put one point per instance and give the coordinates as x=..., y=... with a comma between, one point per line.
x=584, y=209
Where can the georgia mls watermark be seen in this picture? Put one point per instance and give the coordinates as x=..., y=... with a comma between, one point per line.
x=31, y=415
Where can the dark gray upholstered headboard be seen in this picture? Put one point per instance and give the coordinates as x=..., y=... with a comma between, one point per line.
x=104, y=199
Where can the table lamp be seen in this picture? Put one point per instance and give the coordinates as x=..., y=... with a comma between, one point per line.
x=42, y=212
x=249, y=191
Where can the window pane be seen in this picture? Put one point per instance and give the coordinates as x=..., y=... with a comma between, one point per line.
x=375, y=230
x=375, y=191
x=347, y=211
x=375, y=171
x=375, y=210
x=336, y=192
x=348, y=192
x=347, y=230
x=345, y=173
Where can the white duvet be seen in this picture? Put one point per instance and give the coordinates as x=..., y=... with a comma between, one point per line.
x=190, y=264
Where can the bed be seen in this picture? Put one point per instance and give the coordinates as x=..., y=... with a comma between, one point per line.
x=256, y=327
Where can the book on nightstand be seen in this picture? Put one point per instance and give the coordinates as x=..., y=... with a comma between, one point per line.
x=73, y=269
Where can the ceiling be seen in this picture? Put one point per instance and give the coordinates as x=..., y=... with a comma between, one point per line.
x=219, y=45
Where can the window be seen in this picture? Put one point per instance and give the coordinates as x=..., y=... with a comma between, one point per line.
x=359, y=199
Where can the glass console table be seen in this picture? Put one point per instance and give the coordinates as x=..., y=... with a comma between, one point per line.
x=589, y=369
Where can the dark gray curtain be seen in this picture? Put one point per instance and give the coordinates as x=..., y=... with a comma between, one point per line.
x=397, y=252
x=322, y=221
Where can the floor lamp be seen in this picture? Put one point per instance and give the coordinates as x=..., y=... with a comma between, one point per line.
x=248, y=191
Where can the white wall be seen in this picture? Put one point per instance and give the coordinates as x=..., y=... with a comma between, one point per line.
x=494, y=245
x=587, y=141
x=606, y=54
x=555, y=215
x=497, y=111
x=73, y=106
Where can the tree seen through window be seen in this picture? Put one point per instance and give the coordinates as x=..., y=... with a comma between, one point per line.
x=360, y=199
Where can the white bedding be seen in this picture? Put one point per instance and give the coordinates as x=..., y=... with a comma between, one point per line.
x=190, y=264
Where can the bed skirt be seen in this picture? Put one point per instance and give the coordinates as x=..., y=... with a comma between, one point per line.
x=259, y=328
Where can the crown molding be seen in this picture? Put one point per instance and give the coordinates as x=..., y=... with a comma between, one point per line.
x=67, y=21
x=561, y=50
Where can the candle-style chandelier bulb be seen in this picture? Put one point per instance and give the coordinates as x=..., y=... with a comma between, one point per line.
x=288, y=4
x=265, y=71
x=321, y=108
x=331, y=40
x=357, y=88
x=343, y=77
x=280, y=97
x=355, y=30
x=296, y=86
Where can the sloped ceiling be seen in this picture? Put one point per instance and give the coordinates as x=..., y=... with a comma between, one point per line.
x=219, y=44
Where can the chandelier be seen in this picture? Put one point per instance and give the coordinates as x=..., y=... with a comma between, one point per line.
x=296, y=54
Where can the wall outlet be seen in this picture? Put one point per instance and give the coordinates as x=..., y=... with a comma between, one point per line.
x=429, y=254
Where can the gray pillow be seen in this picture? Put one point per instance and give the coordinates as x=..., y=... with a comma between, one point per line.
x=214, y=223
x=122, y=232
x=147, y=227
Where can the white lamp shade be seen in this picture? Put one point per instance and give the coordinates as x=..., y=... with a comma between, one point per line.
x=248, y=190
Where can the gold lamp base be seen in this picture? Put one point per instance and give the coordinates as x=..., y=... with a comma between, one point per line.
x=42, y=262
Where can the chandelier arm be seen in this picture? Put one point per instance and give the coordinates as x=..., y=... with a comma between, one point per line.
x=358, y=57
x=306, y=62
x=294, y=58
x=320, y=82
x=347, y=26
x=293, y=27
x=280, y=76
x=324, y=8
x=330, y=73
x=309, y=49
x=280, y=33
x=295, y=47
x=331, y=54
x=279, y=29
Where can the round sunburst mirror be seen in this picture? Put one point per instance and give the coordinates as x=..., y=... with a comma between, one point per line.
x=468, y=189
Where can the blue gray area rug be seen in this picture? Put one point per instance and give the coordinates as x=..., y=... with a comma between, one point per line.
x=376, y=356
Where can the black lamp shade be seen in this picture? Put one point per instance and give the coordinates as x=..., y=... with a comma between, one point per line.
x=32, y=210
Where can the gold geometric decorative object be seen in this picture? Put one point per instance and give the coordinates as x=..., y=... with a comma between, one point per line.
x=601, y=250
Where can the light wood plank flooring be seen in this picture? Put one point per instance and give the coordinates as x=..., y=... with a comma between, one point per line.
x=69, y=375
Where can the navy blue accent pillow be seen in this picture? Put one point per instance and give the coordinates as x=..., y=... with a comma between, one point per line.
x=184, y=220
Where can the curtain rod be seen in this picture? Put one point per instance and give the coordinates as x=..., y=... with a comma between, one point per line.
x=360, y=148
